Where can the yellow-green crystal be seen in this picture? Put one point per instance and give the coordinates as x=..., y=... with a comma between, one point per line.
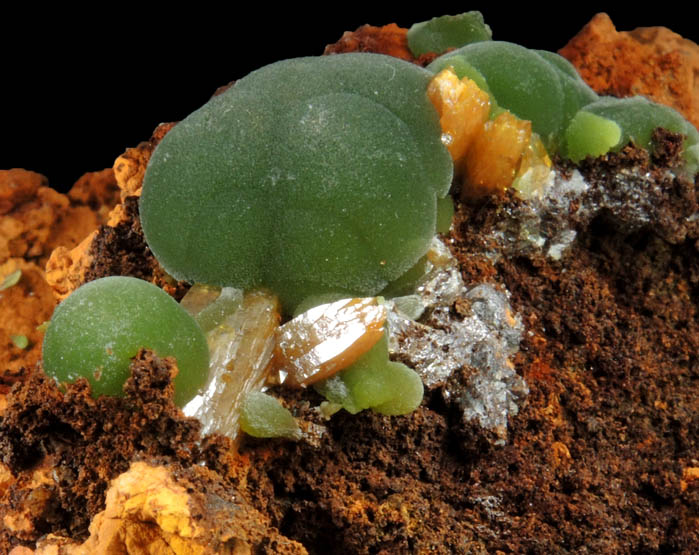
x=375, y=382
x=20, y=341
x=262, y=415
x=590, y=135
x=11, y=279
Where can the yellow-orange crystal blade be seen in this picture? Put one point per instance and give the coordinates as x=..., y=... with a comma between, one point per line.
x=463, y=109
x=328, y=338
x=495, y=156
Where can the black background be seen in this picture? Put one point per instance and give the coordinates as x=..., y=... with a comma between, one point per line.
x=76, y=89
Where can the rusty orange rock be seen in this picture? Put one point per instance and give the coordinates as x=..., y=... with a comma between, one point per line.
x=34, y=221
x=650, y=61
x=97, y=190
x=66, y=268
x=23, y=307
x=150, y=511
x=389, y=39
x=69, y=262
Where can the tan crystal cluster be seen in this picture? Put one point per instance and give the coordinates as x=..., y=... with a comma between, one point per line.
x=328, y=338
x=241, y=349
x=250, y=350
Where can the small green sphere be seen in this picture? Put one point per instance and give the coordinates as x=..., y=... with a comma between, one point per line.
x=96, y=331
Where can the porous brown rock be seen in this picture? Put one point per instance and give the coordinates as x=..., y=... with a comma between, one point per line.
x=602, y=458
x=151, y=510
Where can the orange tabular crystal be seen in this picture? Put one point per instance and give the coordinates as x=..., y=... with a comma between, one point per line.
x=328, y=338
x=463, y=109
x=494, y=158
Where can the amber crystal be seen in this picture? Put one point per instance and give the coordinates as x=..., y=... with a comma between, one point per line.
x=328, y=338
x=463, y=110
x=488, y=154
x=241, y=349
x=495, y=155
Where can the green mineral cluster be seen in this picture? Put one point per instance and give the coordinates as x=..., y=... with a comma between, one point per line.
x=637, y=118
x=448, y=31
x=544, y=88
x=262, y=415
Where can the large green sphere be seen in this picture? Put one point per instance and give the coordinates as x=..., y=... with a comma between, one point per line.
x=96, y=331
x=309, y=176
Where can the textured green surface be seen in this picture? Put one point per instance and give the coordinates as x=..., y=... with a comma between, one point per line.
x=309, y=176
x=97, y=330
x=576, y=93
x=262, y=415
x=406, y=283
x=448, y=31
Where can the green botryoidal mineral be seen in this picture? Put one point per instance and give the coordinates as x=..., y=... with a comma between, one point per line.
x=448, y=31
x=309, y=176
x=95, y=332
x=375, y=382
x=590, y=135
x=568, y=115
x=637, y=118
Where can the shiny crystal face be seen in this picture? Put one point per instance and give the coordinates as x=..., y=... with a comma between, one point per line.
x=308, y=176
x=327, y=338
x=241, y=347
